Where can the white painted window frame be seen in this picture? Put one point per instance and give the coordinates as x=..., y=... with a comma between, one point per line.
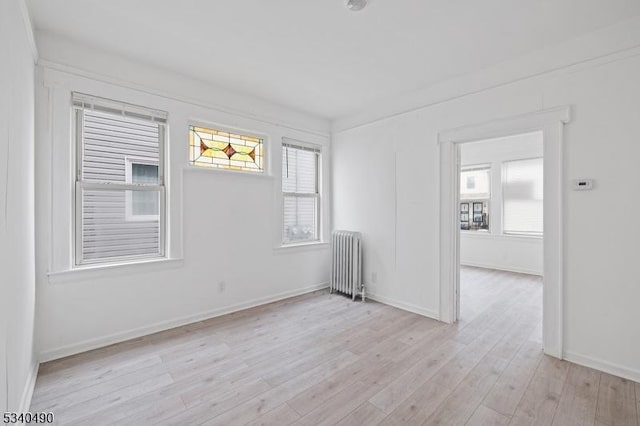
x=81, y=185
x=317, y=196
x=551, y=122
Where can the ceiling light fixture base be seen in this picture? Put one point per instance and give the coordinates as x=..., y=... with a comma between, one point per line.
x=355, y=5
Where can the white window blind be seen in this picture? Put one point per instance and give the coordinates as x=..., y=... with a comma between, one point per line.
x=475, y=184
x=523, y=196
x=120, y=188
x=300, y=192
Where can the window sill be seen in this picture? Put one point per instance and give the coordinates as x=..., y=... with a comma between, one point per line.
x=488, y=235
x=314, y=245
x=225, y=172
x=89, y=272
x=524, y=236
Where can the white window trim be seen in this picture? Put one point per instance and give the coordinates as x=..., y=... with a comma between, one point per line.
x=114, y=269
x=80, y=185
x=294, y=143
x=128, y=171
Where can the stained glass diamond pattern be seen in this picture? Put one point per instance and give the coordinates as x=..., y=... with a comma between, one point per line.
x=226, y=150
x=229, y=151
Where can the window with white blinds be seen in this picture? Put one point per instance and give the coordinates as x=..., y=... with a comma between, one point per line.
x=522, y=188
x=300, y=193
x=120, y=191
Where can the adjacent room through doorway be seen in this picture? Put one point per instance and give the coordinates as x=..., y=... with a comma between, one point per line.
x=501, y=231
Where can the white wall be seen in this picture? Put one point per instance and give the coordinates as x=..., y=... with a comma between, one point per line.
x=494, y=249
x=386, y=185
x=224, y=226
x=17, y=281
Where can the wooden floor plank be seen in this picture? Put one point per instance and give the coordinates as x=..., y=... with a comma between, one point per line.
x=391, y=396
x=579, y=397
x=463, y=401
x=279, y=416
x=485, y=416
x=210, y=408
x=512, y=384
x=110, y=400
x=616, y=401
x=539, y=402
x=339, y=406
x=149, y=409
x=365, y=415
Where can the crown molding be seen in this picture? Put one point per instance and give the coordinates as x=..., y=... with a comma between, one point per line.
x=28, y=26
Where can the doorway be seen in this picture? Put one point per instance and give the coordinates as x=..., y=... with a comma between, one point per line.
x=501, y=199
x=551, y=124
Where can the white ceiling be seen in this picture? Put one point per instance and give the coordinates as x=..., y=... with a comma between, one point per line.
x=317, y=56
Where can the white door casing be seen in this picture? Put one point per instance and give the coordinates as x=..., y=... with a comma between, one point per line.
x=551, y=122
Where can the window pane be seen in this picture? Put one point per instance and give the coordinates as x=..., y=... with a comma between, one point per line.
x=300, y=219
x=144, y=173
x=475, y=184
x=107, y=232
x=299, y=170
x=144, y=203
x=225, y=150
x=109, y=139
x=523, y=196
x=474, y=215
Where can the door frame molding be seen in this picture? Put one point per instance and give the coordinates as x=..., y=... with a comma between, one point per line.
x=551, y=123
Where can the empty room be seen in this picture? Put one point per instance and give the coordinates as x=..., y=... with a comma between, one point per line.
x=337, y=212
x=501, y=208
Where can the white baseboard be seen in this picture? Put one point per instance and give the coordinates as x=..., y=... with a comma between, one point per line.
x=110, y=339
x=29, y=386
x=503, y=268
x=404, y=306
x=605, y=366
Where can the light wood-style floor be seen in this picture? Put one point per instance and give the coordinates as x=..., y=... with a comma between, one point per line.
x=322, y=359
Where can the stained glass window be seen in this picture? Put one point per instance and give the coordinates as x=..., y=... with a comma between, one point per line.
x=225, y=150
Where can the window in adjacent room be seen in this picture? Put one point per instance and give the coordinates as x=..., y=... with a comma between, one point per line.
x=475, y=194
x=120, y=189
x=221, y=149
x=300, y=192
x=522, y=187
